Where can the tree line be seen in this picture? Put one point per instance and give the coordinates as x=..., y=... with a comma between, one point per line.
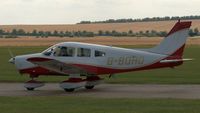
x=44, y=34
x=166, y=18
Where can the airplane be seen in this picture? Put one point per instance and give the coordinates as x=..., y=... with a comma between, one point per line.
x=75, y=59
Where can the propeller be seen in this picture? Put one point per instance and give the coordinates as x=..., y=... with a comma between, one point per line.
x=12, y=59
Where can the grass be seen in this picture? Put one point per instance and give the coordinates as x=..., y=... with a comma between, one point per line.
x=72, y=104
x=185, y=74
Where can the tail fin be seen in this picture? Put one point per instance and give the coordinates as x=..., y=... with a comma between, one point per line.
x=174, y=43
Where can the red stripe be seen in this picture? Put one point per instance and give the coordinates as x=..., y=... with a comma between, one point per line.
x=38, y=71
x=177, y=54
x=98, y=70
x=38, y=59
x=93, y=78
x=33, y=81
x=74, y=80
x=101, y=70
x=179, y=26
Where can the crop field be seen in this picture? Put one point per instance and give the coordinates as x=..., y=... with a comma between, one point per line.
x=111, y=41
x=120, y=27
x=188, y=73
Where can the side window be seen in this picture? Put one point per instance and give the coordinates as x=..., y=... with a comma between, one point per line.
x=64, y=51
x=83, y=52
x=99, y=54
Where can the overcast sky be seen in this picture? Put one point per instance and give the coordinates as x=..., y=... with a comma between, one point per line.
x=73, y=11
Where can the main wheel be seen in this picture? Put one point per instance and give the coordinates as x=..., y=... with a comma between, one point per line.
x=69, y=90
x=89, y=87
x=30, y=89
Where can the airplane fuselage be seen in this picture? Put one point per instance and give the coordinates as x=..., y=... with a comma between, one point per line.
x=112, y=60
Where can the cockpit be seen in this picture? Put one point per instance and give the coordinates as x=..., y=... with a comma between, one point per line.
x=64, y=51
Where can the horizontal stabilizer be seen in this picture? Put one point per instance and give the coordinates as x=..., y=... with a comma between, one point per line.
x=175, y=60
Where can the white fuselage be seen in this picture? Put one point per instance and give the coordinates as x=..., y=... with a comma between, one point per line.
x=114, y=57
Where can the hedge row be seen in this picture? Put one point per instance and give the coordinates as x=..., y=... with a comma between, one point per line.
x=20, y=32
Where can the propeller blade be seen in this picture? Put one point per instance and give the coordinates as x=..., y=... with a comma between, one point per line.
x=10, y=52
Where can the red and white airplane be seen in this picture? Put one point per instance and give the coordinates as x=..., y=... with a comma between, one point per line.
x=91, y=60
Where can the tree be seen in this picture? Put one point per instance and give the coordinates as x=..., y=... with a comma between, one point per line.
x=191, y=33
x=130, y=32
x=196, y=32
x=14, y=32
x=48, y=33
x=68, y=34
x=1, y=32
x=21, y=32
x=34, y=33
x=153, y=33
x=108, y=33
x=41, y=33
x=61, y=34
x=100, y=33
x=124, y=34
x=55, y=33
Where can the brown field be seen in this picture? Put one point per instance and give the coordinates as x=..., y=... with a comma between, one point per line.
x=28, y=41
x=136, y=26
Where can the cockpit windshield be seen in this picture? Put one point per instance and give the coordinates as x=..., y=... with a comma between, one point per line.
x=60, y=51
x=49, y=51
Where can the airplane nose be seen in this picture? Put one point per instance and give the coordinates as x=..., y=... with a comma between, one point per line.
x=12, y=60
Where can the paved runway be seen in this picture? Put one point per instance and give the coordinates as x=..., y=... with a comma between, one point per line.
x=107, y=91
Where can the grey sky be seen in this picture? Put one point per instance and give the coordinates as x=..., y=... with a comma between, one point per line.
x=73, y=11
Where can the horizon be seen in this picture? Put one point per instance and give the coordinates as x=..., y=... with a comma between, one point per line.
x=101, y=21
x=38, y=12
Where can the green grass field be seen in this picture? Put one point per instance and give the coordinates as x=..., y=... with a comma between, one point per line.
x=74, y=104
x=185, y=74
x=188, y=73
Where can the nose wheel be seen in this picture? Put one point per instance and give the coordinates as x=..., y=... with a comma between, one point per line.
x=32, y=84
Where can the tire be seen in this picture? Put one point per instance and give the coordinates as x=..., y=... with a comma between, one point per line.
x=30, y=89
x=69, y=90
x=89, y=87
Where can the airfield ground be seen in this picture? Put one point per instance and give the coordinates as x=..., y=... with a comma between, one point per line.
x=106, y=98
x=163, y=98
x=108, y=91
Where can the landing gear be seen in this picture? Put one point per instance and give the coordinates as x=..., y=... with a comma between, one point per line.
x=72, y=83
x=30, y=89
x=75, y=82
x=92, y=81
x=69, y=90
x=89, y=87
x=32, y=84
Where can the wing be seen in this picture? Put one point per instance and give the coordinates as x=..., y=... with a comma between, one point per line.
x=57, y=66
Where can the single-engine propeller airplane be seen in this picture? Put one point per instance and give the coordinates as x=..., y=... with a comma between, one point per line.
x=91, y=60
